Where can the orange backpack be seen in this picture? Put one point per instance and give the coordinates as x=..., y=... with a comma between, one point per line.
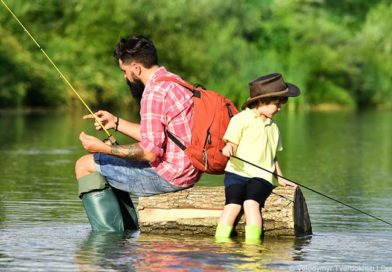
x=212, y=114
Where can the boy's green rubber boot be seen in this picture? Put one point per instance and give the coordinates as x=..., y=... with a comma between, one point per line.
x=104, y=210
x=223, y=232
x=252, y=234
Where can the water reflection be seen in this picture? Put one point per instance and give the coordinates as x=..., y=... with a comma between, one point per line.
x=139, y=252
x=43, y=226
x=102, y=251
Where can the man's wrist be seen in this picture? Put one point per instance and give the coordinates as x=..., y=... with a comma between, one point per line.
x=116, y=123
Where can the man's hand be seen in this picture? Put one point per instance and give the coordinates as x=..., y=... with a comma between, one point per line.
x=107, y=119
x=93, y=144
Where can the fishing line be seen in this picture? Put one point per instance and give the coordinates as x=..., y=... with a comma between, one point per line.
x=286, y=198
x=314, y=191
x=58, y=70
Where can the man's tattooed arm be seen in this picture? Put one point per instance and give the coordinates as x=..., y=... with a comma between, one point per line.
x=131, y=152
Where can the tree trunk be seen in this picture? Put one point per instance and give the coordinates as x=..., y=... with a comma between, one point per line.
x=197, y=210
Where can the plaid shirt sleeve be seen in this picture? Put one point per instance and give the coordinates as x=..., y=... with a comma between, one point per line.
x=152, y=129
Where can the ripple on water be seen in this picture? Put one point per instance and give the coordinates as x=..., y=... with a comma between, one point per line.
x=40, y=248
x=37, y=151
x=344, y=251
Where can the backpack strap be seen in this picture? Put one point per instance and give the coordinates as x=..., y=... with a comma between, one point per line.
x=190, y=87
x=175, y=140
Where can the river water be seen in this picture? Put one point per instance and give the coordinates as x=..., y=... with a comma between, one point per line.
x=347, y=156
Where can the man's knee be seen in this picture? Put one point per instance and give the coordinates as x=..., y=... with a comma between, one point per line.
x=84, y=166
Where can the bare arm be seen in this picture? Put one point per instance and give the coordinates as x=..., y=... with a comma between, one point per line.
x=277, y=168
x=282, y=181
x=131, y=152
x=130, y=129
x=109, y=121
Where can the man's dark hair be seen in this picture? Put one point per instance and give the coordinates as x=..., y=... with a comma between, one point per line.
x=137, y=48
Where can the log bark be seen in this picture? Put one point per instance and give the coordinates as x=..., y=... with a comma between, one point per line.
x=197, y=210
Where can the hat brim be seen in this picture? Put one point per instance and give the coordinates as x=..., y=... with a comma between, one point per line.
x=292, y=91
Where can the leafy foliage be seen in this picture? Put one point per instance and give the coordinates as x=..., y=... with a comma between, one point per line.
x=336, y=52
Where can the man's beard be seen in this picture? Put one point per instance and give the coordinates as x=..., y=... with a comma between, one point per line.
x=137, y=88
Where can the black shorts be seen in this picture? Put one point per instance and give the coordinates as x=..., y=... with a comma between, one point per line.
x=238, y=189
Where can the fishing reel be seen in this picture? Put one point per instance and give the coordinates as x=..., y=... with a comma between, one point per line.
x=110, y=141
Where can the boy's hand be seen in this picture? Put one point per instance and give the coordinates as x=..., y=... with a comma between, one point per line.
x=228, y=150
x=285, y=183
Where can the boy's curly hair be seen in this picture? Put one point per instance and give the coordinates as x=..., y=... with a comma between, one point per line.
x=267, y=101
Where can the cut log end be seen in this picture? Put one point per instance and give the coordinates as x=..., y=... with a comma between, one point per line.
x=197, y=210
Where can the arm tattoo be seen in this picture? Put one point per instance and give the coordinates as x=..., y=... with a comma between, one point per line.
x=131, y=152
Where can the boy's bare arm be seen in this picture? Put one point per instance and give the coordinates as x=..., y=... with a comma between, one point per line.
x=283, y=182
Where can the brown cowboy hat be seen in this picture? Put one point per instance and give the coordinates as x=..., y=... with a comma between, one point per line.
x=271, y=85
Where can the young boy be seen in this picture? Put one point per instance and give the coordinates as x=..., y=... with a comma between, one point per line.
x=252, y=135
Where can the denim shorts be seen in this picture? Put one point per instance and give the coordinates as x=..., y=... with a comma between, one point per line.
x=136, y=177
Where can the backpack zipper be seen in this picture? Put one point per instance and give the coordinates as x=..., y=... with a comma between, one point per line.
x=229, y=110
x=205, y=159
x=205, y=156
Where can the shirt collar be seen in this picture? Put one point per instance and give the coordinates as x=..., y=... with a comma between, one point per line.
x=159, y=72
x=250, y=112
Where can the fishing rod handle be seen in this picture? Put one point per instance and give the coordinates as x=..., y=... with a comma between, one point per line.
x=111, y=141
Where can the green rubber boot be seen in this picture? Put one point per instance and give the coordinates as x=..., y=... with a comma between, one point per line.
x=223, y=232
x=253, y=234
x=104, y=210
x=128, y=210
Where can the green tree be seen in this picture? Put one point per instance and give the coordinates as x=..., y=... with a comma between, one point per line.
x=336, y=52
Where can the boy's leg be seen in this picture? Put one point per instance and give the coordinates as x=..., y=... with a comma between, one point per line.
x=253, y=220
x=226, y=221
x=257, y=192
x=234, y=194
x=252, y=213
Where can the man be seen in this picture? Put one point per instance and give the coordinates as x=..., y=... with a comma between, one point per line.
x=154, y=164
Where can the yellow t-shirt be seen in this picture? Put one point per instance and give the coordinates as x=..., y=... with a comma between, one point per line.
x=257, y=141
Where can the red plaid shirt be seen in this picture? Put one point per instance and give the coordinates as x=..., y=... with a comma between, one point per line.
x=167, y=106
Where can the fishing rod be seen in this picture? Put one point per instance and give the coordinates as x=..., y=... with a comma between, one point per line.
x=110, y=139
x=314, y=191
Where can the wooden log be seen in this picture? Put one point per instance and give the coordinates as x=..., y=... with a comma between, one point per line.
x=197, y=210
